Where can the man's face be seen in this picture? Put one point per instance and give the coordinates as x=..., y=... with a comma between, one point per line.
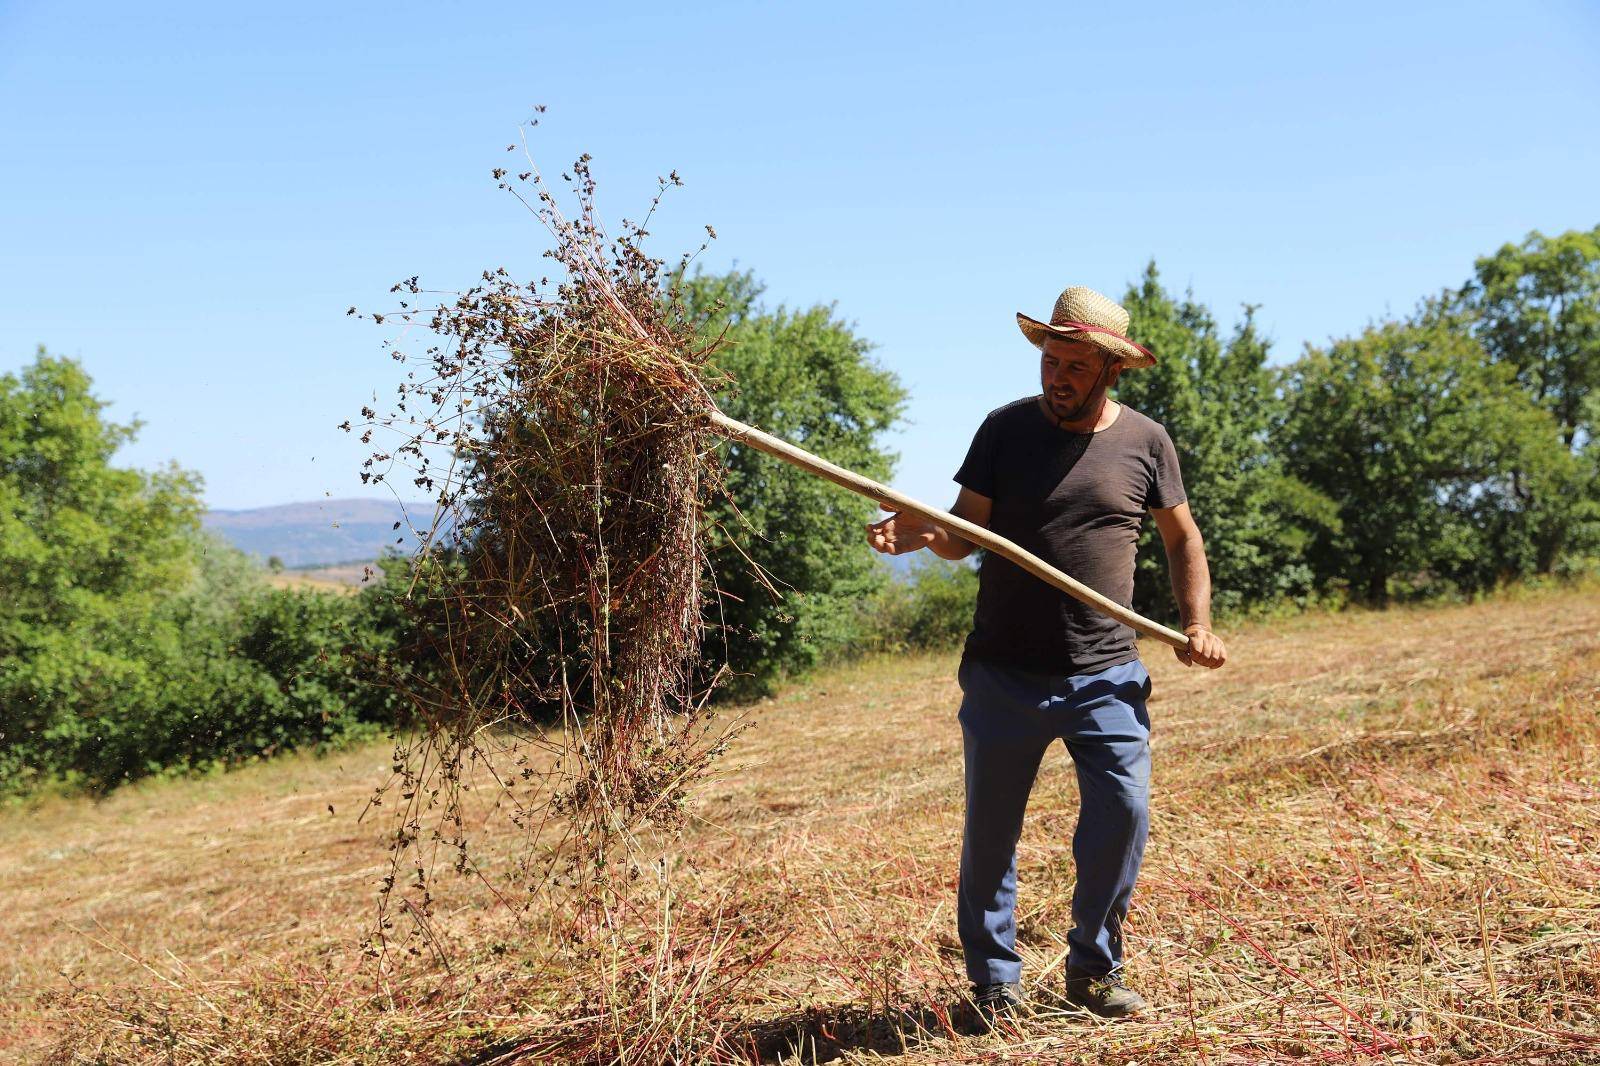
x=1069, y=370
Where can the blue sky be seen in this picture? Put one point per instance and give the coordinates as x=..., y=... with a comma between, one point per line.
x=192, y=195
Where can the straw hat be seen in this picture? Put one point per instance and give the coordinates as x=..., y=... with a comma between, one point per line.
x=1087, y=315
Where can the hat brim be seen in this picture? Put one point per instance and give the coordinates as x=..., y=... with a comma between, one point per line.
x=1130, y=354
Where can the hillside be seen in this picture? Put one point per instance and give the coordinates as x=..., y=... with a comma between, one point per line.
x=322, y=532
x=330, y=538
x=328, y=535
x=1376, y=838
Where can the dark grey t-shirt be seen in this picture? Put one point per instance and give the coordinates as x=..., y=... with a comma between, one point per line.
x=1076, y=500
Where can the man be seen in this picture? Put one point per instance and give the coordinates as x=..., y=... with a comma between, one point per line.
x=1067, y=475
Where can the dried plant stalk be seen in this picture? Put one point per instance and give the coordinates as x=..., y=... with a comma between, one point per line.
x=559, y=599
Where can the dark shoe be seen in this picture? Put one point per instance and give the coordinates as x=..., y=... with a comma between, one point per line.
x=1105, y=995
x=995, y=1001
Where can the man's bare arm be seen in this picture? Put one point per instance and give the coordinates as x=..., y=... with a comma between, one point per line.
x=1191, y=584
x=975, y=509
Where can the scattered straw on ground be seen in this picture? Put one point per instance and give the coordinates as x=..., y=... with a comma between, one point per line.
x=1376, y=838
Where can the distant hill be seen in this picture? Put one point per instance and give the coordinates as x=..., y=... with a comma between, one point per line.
x=324, y=533
x=321, y=532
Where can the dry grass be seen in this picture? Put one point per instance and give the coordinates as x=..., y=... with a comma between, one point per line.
x=1376, y=836
x=346, y=577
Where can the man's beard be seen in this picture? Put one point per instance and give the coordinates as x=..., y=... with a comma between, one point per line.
x=1066, y=410
x=1099, y=387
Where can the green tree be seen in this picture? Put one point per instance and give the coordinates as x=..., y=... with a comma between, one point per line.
x=1415, y=433
x=131, y=642
x=87, y=553
x=1218, y=401
x=1539, y=312
x=1537, y=308
x=807, y=377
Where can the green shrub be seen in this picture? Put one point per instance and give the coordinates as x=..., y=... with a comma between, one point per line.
x=928, y=609
x=226, y=671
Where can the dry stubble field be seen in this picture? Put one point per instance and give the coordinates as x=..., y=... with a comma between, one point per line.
x=1376, y=837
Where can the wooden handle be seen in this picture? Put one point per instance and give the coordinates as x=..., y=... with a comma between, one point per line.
x=983, y=538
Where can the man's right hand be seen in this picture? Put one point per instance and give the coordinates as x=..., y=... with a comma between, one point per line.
x=901, y=532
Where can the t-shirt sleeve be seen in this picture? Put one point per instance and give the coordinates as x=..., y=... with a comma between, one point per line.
x=1166, y=487
x=977, y=470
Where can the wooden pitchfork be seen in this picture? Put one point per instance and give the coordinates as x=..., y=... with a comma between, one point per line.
x=983, y=538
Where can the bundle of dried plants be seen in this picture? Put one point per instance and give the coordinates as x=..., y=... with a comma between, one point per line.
x=561, y=592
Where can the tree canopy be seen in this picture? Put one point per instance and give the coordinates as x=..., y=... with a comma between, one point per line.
x=1415, y=435
x=806, y=376
x=1218, y=400
x=130, y=641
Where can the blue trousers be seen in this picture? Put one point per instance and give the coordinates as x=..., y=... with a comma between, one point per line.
x=1008, y=719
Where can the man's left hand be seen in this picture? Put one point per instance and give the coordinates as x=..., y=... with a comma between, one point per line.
x=1205, y=648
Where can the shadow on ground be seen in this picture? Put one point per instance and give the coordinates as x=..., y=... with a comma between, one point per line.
x=826, y=1033
x=814, y=1035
